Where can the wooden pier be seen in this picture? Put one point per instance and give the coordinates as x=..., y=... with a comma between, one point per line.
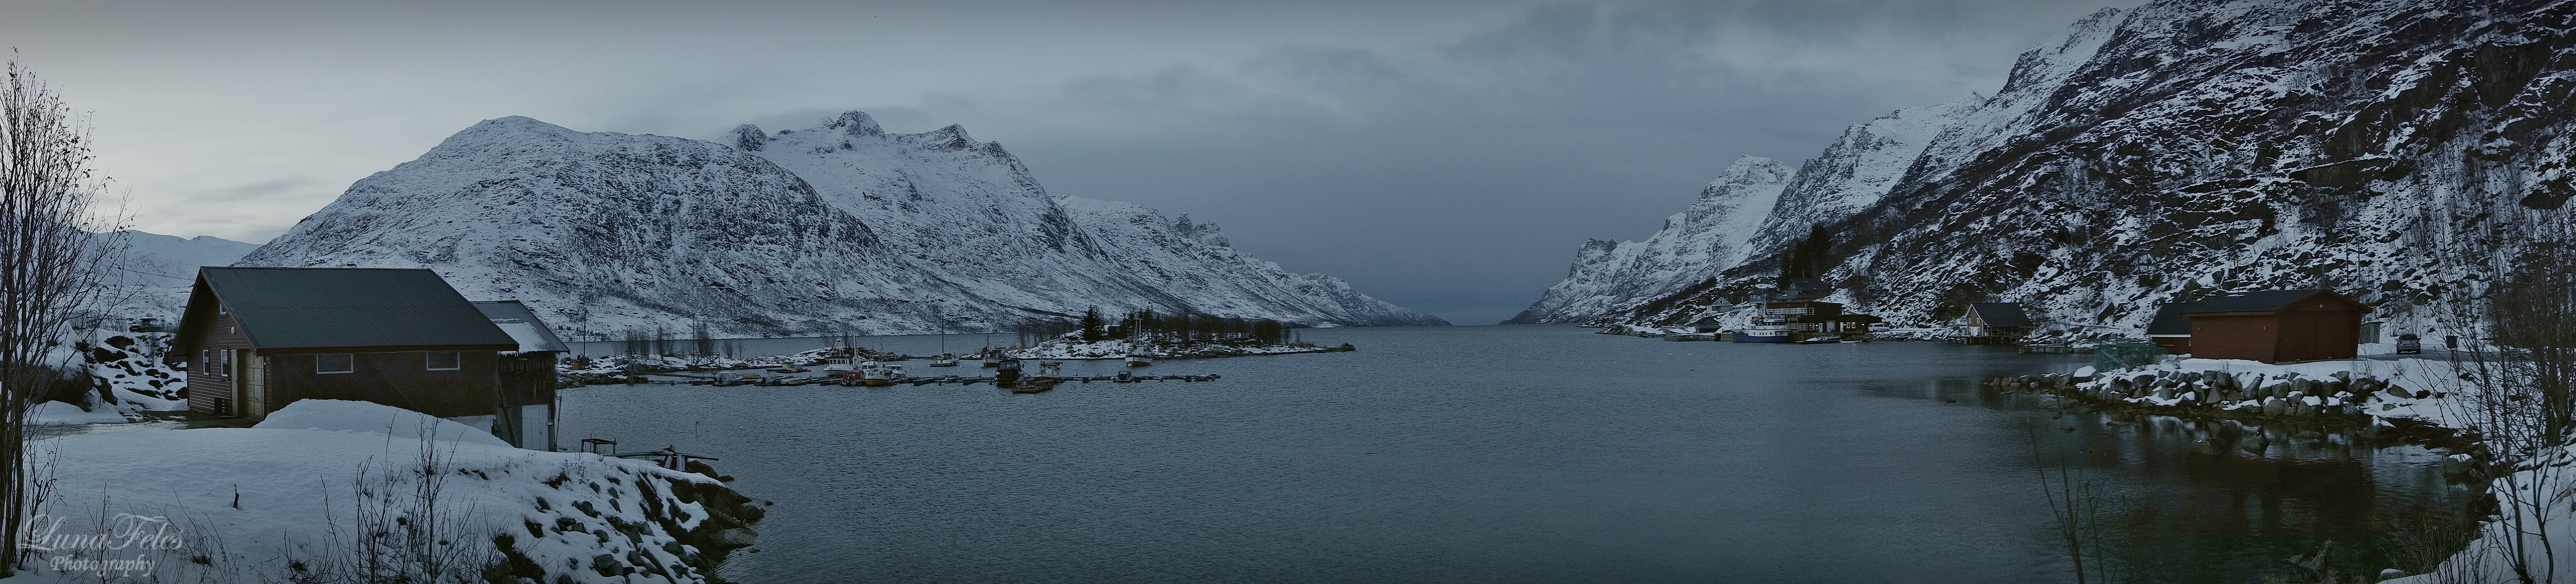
x=962, y=380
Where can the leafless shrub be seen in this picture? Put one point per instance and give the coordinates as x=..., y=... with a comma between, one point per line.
x=405, y=528
x=49, y=264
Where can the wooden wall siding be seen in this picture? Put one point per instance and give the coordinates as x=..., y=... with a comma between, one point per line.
x=398, y=379
x=2235, y=337
x=208, y=386
x=2173, y=345
x=2313, y=334
x=528, y=380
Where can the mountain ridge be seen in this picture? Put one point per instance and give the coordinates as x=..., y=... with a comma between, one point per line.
x=2184, y=147
x=837, y=228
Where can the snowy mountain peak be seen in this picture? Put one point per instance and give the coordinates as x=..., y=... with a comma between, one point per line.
x=1753, y=170
x=799, y=232
x=855, y=123
x=1696, y=244
x=952, y=137
x=2049, y=63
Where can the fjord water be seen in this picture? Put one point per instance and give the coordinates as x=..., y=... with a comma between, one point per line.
x=1504, y=454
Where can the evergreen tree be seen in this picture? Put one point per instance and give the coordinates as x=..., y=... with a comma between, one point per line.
x=1092, y=326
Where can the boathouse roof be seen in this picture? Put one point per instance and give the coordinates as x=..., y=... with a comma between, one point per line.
x=522, y=325
x=319, y=309
x=2169, y=321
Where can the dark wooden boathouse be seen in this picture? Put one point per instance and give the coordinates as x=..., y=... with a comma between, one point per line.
x=1996, y=320
x=2275, y=326
x=257, y=339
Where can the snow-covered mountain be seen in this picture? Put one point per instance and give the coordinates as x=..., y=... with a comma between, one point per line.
x=840, y=227
x=151, y=274
x=2390, y=149
x=1694, y=245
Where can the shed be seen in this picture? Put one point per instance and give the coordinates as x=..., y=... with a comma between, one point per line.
x=2170, y=330
x=257, y=339
x=2274, y=326
x=1996, y=319
x=527, y=375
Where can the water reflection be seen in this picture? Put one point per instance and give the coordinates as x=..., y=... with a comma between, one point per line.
x=2221, y=500
x=1510, y=454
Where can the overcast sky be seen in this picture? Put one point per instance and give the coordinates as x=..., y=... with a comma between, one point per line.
x=1447, y=156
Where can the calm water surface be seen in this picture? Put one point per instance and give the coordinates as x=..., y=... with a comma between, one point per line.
x=1506, y=454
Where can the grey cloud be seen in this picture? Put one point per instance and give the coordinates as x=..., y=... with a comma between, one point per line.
x=1460, y=179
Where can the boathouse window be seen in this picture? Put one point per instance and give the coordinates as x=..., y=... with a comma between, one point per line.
x=445, y=360
x=334, y=363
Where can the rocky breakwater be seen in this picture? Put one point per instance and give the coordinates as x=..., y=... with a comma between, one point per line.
x=2377, y=396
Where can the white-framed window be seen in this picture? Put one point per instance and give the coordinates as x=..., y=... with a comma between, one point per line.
x=335, y=363
x=445, y=360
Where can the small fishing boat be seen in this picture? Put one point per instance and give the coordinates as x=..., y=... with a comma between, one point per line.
x=1006, y=372
x=944, y=360
x=836, y=366
x=1139, y=358
x=873, y=374
x=992, y=357
x=1049, y=373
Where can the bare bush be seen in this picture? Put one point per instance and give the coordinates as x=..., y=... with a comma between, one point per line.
x=49, y=265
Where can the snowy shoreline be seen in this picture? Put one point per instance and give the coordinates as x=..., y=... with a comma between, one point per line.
x=1069, y=349
x=287, y=500
x=2423, y=401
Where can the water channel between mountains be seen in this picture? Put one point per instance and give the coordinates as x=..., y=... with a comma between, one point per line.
x=1512, y=454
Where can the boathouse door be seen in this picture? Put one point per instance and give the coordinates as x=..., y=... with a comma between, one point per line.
x=250, y=384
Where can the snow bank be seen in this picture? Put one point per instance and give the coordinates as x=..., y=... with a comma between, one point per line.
x=270, y=504
x=54, y=413
x=335, y=415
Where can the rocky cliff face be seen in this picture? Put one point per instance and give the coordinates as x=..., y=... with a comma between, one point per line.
x=837, y=228
x=2390, y=149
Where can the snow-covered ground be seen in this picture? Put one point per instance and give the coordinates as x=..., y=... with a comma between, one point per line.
x=289, y=499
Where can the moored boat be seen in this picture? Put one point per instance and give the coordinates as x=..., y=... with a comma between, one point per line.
x=873, y=374
x=944, y=360
x=1006, y=372
x=1139, y=359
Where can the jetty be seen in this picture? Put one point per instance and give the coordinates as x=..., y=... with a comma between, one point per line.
x=963, y=380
